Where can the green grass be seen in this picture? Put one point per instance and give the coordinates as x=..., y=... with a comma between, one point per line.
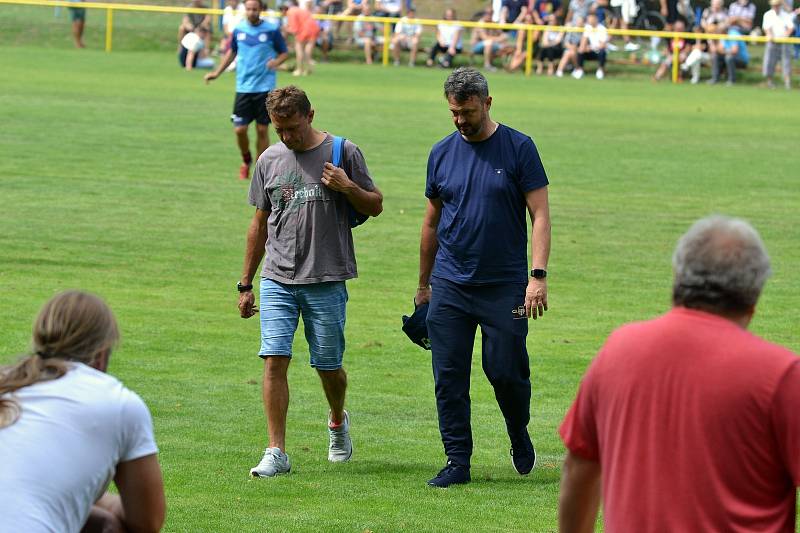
x=117, y=175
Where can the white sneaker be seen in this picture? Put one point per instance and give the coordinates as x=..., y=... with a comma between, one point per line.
x=577, y=73
x=611, y=47
x=340, y=448
x=631, y=47
x=273, y=463
x=559, y=74
x=599, y=74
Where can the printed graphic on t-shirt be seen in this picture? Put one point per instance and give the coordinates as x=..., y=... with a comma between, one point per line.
x=290, y=192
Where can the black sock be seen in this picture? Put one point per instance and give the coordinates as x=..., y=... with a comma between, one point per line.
x=247, y=158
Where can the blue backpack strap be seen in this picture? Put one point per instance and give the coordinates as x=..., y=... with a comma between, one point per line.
x=337, y=155
x=338, y=150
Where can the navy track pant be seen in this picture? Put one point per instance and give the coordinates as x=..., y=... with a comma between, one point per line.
x=454, y=314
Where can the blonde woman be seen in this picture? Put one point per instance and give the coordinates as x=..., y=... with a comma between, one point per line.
x=67, y=428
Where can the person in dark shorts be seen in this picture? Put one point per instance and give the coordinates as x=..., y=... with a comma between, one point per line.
x=259, y=49
x=78, y=17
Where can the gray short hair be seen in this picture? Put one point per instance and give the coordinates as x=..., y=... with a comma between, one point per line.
x=465, y=82
x=720, y=265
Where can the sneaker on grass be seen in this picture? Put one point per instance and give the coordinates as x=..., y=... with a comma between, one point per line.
x=244, y=171
x=523, y=456
x=273, y=463
x=340, y=447
x=451, y=474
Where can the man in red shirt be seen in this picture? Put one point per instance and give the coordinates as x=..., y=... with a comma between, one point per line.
x=688, y=422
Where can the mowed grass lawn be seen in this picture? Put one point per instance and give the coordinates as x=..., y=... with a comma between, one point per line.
x=117, y=175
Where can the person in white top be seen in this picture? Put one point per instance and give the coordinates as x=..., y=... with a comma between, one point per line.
x=593, y=47
x=67, y=428
x=448, y=40
x=778, y=24
x=406, y=35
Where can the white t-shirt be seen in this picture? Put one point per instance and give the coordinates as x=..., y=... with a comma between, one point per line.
x=448, y=32
x=192, y=42
x=407, y=27
x=779, y=23
x=597, y=36
x=57, y=459
x=232, y=17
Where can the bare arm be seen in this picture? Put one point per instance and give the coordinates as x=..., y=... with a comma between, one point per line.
x=253, y=253
x=428, y=245
x=189, y=64
x=226, y=62
x=274, y=63
x=539, y=211
x=365, y=202
x=141, y=505
x=579, y=499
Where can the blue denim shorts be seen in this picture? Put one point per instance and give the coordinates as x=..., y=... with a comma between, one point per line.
x=323, y=308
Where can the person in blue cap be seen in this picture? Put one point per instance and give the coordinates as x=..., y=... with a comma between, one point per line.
x=481, y=181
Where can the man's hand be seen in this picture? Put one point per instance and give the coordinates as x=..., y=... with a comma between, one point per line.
x=536, y=298
x=210, y=76
x=423, y=295
x=335, y=178
x=247, y=301
x=272, y=64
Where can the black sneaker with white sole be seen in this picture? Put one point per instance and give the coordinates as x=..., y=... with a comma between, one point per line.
x=523, y=456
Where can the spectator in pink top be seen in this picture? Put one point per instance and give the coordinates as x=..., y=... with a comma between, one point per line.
x=305, y=29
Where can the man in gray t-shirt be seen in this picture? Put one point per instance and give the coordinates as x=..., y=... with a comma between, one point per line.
x=301, y=221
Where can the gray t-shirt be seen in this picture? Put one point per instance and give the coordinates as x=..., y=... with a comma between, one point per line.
x=308, y=230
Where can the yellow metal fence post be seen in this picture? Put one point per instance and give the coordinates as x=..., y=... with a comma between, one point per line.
x=675, y=59
x=109, y=27
x=386, y=38
x=529, y=54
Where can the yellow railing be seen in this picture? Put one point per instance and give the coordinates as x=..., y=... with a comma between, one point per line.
x=530, y=29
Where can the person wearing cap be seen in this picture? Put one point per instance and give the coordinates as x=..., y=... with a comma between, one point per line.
x=688, y=422
x=778, y=24
x=482, y=181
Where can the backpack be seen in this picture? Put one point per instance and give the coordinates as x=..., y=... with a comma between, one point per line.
x=353, y=217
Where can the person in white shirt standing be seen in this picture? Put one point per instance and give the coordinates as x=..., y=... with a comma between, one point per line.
x=593, y=47
x=67, y=428
x=778, y=24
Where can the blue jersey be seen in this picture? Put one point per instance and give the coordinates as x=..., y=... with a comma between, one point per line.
x=742, y=53
x=254, y=46
x=482, y=232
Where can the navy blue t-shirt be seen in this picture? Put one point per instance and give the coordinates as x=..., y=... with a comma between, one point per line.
x=482, y=232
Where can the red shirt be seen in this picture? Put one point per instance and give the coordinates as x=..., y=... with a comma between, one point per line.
x=696, y=425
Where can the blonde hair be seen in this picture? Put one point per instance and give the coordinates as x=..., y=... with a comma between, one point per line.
x=72, y=326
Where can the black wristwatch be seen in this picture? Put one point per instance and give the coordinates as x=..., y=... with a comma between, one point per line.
x=538, y=273
x=244, y=288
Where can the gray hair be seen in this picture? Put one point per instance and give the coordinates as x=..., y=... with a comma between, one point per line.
x=465, y=82
x=720, y=265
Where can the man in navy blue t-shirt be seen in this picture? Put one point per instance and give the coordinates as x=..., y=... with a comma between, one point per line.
x=482, y=179
x=259, y=49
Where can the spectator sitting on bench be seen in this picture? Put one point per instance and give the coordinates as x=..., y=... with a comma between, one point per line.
x=550, y=47
x=593, y=47
x=364, y=33
x=193, y=53
x=406, y=35
x=448, y=41
x=194, y=21
x=489, y=42
x=684, y=48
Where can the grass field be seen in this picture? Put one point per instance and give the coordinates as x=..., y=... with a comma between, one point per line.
x=117, y=175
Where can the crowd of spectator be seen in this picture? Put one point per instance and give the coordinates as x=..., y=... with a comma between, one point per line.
x=556, y=52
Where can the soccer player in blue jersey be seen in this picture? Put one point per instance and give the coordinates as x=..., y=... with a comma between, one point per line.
x=482, y=179
x=260, y=49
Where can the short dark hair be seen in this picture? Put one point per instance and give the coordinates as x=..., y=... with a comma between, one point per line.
x=260, y=3
x=288, y=101
x=465, y=82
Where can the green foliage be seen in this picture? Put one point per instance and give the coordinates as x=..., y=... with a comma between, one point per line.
x=118, y=175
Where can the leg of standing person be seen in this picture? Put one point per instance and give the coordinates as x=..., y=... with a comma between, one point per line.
x=786, y=61
x=324, y=311
x=504, y=328
x=262, y=138
x=452, y=332
x=309, y=56
x=243, y=141
x=279, y=317
x=299, y=57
